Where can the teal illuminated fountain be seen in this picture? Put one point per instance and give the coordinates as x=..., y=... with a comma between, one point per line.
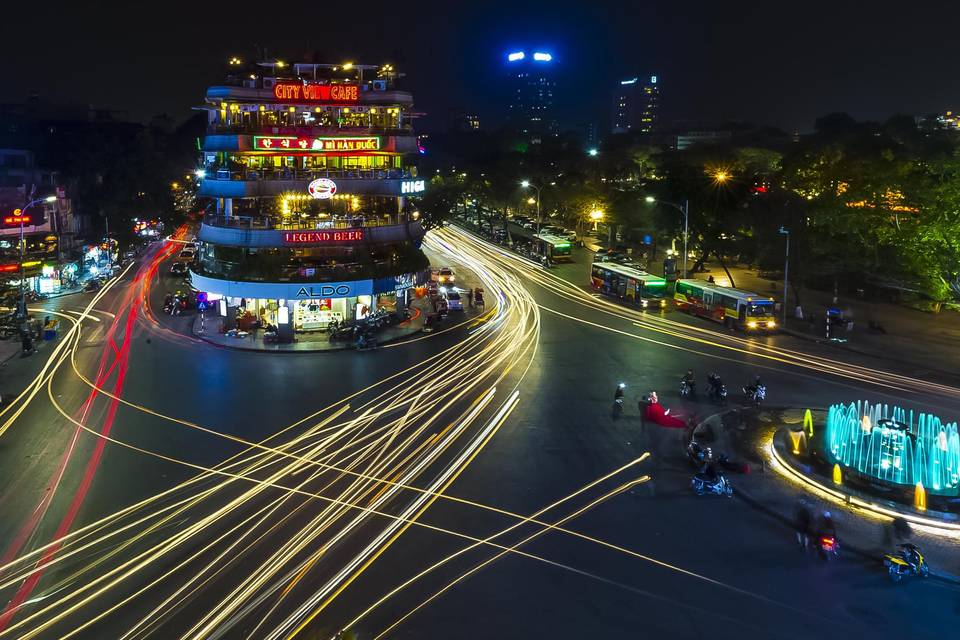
x=892, y=445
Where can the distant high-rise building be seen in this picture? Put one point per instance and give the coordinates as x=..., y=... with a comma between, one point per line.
x=532, y=87
x=463, y=121
x=590, y=137
x=635, y=103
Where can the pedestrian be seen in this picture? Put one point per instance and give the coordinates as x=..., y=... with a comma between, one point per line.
x=798, y=312
x=470, y=296
x=642, y=405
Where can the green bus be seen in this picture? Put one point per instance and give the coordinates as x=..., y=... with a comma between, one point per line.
x=630, y=285
x=554, y=247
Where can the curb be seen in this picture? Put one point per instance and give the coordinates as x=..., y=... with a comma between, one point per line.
x=788, y=521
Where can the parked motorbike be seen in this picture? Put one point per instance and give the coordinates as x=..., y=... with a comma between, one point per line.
x=907, y=561
x=755, y=394
x=711, y=483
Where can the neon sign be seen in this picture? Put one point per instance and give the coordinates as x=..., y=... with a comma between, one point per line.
x=312, y=92
x=17, y=218
x=322, y=188
x=291, y=143
x=334, y=236
x=413, y=186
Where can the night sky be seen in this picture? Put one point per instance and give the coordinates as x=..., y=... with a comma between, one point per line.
x=776, y=63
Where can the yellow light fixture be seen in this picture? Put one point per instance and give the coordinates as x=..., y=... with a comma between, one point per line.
x=596, y=214
x=531, y=201
x=281, y=64
x=347, y=66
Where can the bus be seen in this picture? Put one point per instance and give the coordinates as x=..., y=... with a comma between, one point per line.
x=736, y=309
x=554, y=247
x=630, y=285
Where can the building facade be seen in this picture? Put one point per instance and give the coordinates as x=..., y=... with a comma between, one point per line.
x=635, y=105
x=311, y=169
x=47, y=226
x=532, y=85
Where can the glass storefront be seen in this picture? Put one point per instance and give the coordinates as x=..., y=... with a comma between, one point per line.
x=314, y=314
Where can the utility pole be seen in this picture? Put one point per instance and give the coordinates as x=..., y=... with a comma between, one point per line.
x=786, y=272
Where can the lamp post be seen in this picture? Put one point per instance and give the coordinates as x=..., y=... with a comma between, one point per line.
x=685, y=210
x=526, y=184
x=22, y=310
x=786, y=271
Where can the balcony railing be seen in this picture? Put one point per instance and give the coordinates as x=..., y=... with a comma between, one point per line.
x=265, y=271
x=252, y=175
x=269, y=223
x=304, y=130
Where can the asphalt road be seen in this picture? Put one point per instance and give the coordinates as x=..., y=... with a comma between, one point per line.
x=331, y=521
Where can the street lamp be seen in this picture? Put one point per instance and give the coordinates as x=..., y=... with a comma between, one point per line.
x=721, y=176
x=685, y=210
x=596, y=216
x=592, y=152
x=786, y=271
x=22, y=310
x=526, y=184
x=200, y=173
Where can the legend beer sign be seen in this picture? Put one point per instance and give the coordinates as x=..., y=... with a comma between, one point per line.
x=316, y=93
x=317, y=145
x=314, y=238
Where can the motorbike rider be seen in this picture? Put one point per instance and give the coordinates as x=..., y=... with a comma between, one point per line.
x=689, y=380
x=802, y=521
x=714, y=383
x=826, y=527
x=756, y=384
x=618, y=394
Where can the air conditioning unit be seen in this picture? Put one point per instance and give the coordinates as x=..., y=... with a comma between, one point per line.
x=249, y=83
x=269, y=82
x=379, y=85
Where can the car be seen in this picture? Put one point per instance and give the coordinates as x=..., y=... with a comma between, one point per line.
x=187, y=254
x=454, y=303
x=568, y=234
x=192, y=246
x=179, y=269
x=443, y=275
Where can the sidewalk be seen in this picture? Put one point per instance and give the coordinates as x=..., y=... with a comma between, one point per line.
x=765, y=490
x=208, y=328
x=925, y=339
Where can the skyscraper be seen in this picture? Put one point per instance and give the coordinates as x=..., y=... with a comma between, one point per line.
x=635, y=105
x=532, y=86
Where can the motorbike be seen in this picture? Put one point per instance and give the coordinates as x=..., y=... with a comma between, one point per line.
x=907, y=561
x=828, y=546
x=687, y=388
x=714, y=484
x=699, y=455
x=718, y=393
x=755, y=394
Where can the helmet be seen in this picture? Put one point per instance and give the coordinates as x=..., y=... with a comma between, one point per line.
x=826, y=514
x=621, y=385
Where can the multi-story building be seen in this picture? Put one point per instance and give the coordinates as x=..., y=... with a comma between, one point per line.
x=311, y=168
x=462, y=121
x=532, y=87
x=635, y=105
x=47, y=226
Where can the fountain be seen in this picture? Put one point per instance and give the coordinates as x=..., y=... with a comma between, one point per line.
x=890, y=444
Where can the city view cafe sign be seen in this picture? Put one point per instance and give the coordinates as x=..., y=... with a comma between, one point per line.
x=316, y=93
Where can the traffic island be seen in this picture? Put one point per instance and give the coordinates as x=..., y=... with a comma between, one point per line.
x=791, y=459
